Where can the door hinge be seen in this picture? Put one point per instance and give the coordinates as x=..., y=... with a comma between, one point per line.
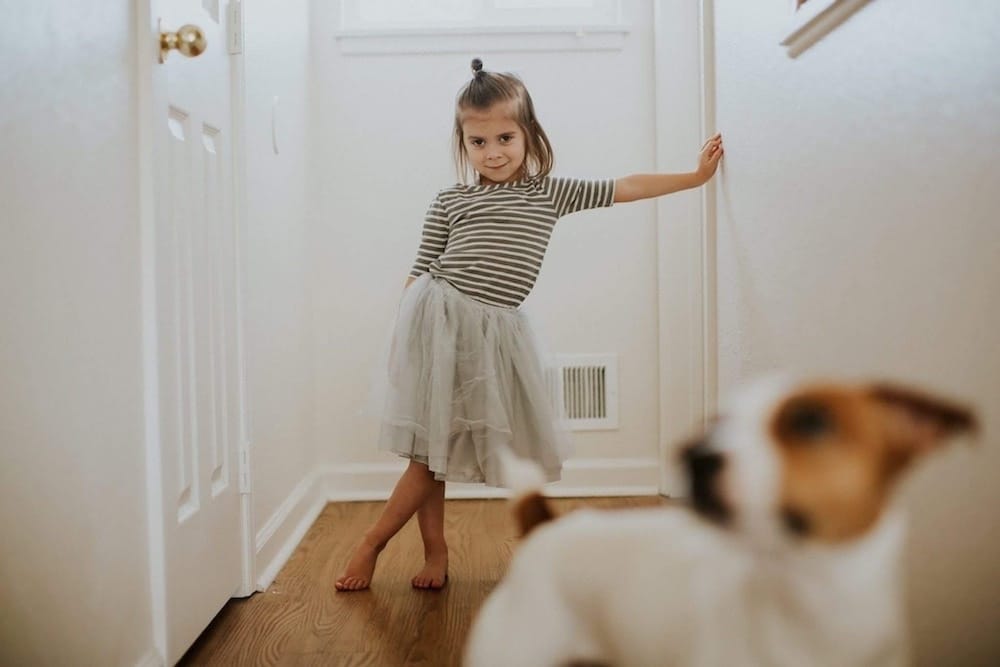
x=244, y=470
x=235, y=27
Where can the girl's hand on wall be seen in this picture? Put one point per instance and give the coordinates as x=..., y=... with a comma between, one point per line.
x=708, y=159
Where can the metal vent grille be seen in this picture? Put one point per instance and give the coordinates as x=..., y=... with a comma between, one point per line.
x=585, y=390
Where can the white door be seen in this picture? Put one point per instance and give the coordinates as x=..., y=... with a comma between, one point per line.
x=197, y=341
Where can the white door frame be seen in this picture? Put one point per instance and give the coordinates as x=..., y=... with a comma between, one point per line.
x=147, y=45
x=684, y=76
x=238, y=106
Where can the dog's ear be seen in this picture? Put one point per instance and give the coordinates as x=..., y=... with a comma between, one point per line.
x=917, y=421
x=532, y=510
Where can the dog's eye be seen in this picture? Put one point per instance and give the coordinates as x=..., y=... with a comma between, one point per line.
x=795, y=522
x=807, y=421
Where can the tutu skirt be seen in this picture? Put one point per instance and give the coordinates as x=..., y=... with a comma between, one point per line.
x=465, y=379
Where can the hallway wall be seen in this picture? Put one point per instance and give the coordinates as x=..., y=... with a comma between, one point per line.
x=382, y=150
x=74, y=578
x=278, y=299
x=858, y=236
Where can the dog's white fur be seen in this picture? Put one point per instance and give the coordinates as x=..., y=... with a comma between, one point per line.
x=660, y=587
x=663, y=586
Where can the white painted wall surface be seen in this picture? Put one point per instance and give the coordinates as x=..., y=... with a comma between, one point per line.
x=858, y=235
x=279, y=324
x=73, y=556
x=382, y=149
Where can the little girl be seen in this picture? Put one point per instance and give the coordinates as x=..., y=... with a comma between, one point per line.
x=465, y=377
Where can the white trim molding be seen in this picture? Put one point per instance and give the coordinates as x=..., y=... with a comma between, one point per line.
x=146, y=103
x=686, y=265
x=813, y=19
x=281, y=533
x=150, y=659
x=482, y=39
x=239, y=132
x=581, y=478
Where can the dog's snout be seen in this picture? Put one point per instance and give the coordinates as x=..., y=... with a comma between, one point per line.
x=696, y=450
x=703, y=464
x=702, y=460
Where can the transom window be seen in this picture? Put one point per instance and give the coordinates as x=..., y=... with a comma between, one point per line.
x=405, y=15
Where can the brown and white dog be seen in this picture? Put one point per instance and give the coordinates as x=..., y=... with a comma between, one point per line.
x=790, y=557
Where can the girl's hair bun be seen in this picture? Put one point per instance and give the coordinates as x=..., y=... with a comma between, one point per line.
x=477, y=65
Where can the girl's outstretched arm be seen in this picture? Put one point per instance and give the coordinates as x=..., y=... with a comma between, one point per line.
x=644, y=186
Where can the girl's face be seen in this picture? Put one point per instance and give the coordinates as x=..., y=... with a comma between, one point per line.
x=494, y=143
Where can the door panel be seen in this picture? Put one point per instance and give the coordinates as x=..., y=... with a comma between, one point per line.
x=196, y=325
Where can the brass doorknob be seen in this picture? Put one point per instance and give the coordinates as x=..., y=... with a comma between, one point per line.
x=189, y=40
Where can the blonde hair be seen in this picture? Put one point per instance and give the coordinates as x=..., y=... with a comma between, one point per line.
x=482, y=92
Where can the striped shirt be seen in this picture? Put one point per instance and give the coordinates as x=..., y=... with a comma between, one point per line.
x=489, y=240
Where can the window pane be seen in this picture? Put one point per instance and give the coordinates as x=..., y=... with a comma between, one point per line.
x=393, y=12
x=542, y=4
x=408, y=14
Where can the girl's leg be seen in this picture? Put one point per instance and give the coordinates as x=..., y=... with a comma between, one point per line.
x=431, y=519
x=412, y=491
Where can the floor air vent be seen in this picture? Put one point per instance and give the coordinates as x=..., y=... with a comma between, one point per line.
x=585, y=390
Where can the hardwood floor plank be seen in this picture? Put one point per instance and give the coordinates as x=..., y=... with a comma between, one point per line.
x=301, y=619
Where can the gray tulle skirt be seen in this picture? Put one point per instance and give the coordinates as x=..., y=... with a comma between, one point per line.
x=464, y=379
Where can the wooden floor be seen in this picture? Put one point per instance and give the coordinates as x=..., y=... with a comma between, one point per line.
x=302, y=620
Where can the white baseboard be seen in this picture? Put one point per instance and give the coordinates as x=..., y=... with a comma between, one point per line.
x=581, y=478
x=151, y=659
x=281, y=534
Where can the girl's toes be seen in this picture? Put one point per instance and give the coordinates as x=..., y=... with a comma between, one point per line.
x=350, y=584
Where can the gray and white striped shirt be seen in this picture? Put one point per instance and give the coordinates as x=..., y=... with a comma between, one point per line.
x=489, y=240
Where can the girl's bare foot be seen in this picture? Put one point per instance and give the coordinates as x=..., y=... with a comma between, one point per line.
x=358, y=575
x=435, y=572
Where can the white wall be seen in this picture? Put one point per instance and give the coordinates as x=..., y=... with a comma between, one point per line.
x=858, y=235
x=279, y=328
x=383, y=149
x=74, y=576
